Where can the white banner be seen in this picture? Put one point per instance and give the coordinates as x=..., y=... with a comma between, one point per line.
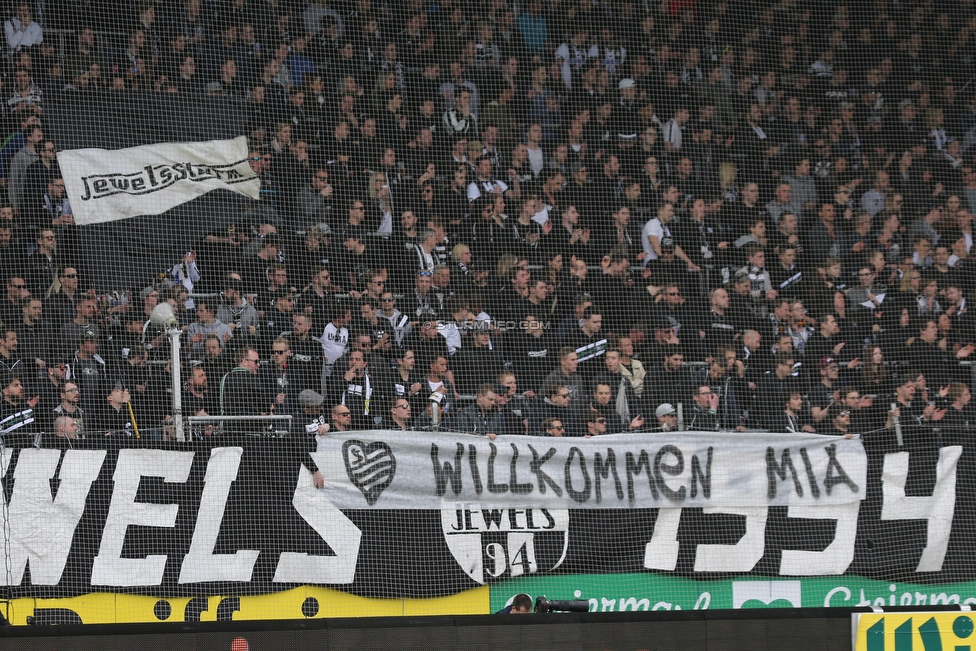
x=106, y=185
x=421, y=470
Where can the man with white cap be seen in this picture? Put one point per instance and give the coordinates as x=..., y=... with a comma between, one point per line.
x=667, y=417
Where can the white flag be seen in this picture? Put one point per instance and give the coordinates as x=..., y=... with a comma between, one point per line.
x=106, y=185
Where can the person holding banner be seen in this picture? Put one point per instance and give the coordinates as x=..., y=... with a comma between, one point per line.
x=795, y=416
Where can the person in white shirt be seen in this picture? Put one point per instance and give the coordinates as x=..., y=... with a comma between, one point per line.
x=672, y=132
x=574, y=53
x=656, y=230
x=335, y=337
x=485, y=183
x=533, y=146
x=21, y=30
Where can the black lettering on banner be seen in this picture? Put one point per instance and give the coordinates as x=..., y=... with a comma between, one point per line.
x=492, y=517
x=583, y=495
x=447, y=472
x=543, y=478
x=603, y=470
x=668, y=469
x=833, y=466
x=475, y=473
x=513, y=519
x=698, y=476
x=155, y=178
x=811, y=478
x=774, y=470
x=517, y=488
x=634, y=467
x=492, y=486
x=459, y=516
x=550, y=521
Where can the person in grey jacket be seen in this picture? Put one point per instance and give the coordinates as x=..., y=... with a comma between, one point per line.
x=235, y=310
x=803, y=188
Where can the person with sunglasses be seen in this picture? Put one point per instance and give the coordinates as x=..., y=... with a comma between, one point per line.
x=596, y=424
x=242, y=393
x=840, y=422
x=552, y=427
x=400, y=415
x=279, y=380
x=557, y=404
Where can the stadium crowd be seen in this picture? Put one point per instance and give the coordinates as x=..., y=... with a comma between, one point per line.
x=581, y=214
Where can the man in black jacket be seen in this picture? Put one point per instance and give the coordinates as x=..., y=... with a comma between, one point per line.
x=242, y=394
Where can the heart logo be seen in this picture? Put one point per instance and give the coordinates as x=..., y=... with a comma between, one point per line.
x=370, y=467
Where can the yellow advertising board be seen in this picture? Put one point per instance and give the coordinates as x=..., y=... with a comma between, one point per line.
x=918, y=631
x=304, y=602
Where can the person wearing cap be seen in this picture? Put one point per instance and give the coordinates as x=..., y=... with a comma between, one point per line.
x=90, y=371
x=625, y=113
x=114, y=418
x=18, y=425
x=479, y=358
x=254, y=266
x=667, y=418
x=828, y=390
x=307, y=260
x=70, y=404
